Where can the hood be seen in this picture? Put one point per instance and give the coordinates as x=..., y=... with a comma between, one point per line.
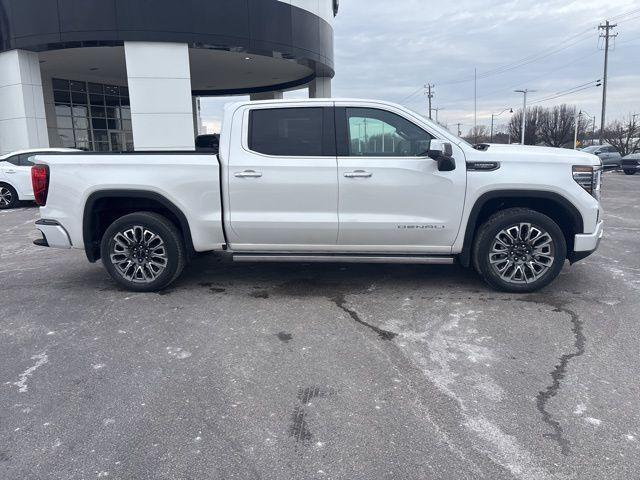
x=520, y=153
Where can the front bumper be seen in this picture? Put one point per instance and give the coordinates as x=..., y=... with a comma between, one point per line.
x=585, y=244
x=54, y=235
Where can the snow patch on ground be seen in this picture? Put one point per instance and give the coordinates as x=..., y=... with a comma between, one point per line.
x=41, y=359
x=178, y=352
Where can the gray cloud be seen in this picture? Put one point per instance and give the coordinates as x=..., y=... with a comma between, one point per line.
x=389, y=49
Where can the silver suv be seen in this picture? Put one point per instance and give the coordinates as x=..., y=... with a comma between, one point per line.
x=610, y=157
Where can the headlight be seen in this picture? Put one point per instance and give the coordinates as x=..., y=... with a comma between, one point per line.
x=589, y=178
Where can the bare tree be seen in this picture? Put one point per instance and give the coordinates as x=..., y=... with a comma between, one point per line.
x=557, y=126
x=479, y=134
x=624, y=135
x=532, y=129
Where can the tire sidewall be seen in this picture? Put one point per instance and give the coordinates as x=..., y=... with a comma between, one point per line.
x=630, y=172
x=494, y=226
x=14, y=197
x=158, y=225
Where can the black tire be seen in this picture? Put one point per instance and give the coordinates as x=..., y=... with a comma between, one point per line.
x=169, y=258
x=487, y=237
x=8, y=196
x=630, y=172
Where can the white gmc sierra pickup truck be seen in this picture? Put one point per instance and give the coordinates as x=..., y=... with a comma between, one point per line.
x=326, y=181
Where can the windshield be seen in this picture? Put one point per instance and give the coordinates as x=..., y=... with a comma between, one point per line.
x=591, y=149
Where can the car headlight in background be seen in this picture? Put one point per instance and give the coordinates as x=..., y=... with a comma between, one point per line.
x=589, y=178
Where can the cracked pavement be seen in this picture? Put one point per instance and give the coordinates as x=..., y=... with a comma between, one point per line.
x=320, y=371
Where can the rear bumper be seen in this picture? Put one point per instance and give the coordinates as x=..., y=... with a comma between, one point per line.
x=54, y=235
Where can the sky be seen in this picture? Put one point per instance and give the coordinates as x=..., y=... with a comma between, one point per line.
x=390, y=49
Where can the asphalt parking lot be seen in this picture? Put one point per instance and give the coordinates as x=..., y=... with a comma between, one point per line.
x=320, y=371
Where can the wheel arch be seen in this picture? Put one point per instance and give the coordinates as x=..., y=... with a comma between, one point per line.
x=552, y=204
x=104, y=206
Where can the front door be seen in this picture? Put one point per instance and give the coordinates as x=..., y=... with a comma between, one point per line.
x=283, y=188
x=392, y=196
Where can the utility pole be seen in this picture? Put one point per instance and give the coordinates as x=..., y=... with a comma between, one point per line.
x=607, y=27
x=437, y=109
x=524, y=111
x=475, y=105
x=459, y=131
x=430, y=94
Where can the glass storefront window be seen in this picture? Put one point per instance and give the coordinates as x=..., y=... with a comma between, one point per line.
x=92, y=116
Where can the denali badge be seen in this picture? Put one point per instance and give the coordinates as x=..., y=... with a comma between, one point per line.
x=421, y=227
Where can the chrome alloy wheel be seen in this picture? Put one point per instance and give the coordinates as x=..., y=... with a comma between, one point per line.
x=522, y=253
x=5, y=196
x=138, y=254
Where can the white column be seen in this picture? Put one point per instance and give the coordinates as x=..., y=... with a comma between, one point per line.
x=159, y=78
x=320, y=87
x=266, y=96
x=23, y=122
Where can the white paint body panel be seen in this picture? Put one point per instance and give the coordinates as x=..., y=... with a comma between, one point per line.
x=306, y=205
x=190, y=182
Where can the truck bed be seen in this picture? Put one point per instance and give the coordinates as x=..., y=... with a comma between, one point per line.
x=190, y=182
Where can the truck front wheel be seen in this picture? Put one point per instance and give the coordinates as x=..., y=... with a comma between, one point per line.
x=143, y=252
x=519, y=250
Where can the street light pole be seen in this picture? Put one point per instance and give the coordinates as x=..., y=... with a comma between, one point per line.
x=575, y=135
x=524, y=111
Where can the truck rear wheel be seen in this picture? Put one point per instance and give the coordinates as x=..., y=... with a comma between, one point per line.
x=519, y=250
x=630, y=172
x=143, y=252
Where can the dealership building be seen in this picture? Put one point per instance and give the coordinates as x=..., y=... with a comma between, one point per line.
x=115, y=75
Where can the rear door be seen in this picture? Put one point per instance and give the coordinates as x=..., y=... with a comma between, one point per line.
x=282, y=180
x=392, y=196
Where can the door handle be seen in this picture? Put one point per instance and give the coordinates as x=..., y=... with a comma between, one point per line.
x=358, y=174
x=248, y=174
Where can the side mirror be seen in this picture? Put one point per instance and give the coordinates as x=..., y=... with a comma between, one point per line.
x=442, y=152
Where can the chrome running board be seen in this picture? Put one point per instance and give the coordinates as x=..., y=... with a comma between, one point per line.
x=337, y=258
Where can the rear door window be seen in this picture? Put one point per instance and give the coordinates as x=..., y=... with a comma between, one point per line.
x=292, y=132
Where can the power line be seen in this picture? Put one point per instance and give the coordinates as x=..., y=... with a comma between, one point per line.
x=565, y=93
x=412, y=95
x=526, y=60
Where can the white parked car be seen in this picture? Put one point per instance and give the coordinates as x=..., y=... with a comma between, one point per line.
x=15, y=175
x=326, y=181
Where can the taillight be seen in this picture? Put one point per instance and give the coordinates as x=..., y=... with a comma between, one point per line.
x=40, y=182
